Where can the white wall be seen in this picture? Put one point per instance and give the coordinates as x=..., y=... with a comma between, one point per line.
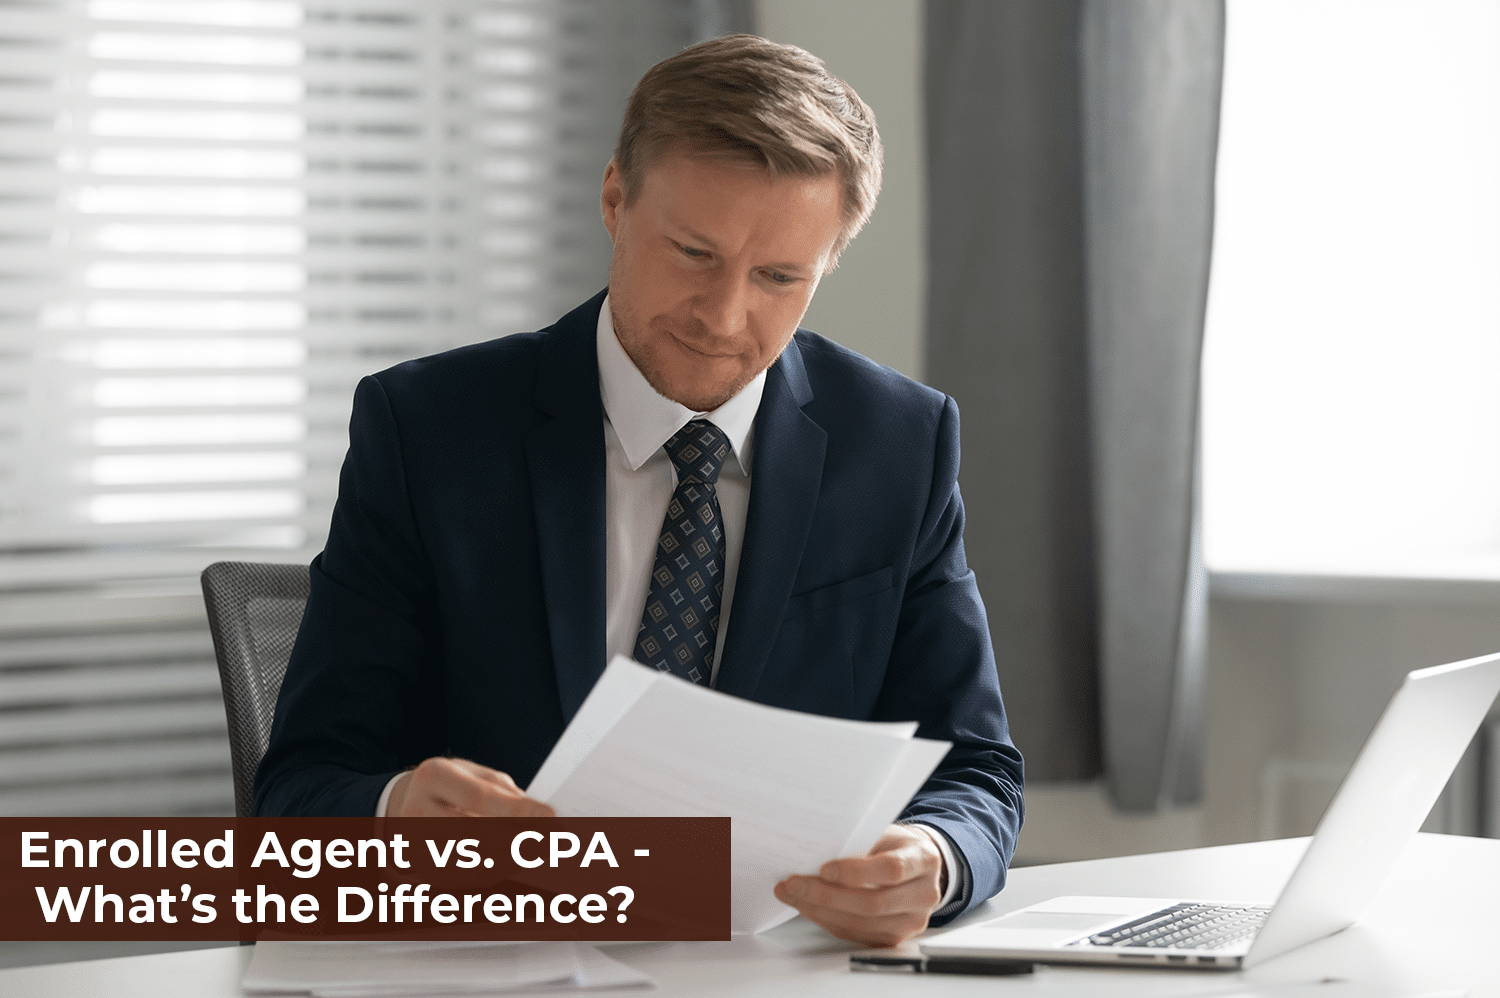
x=875, y=301
x=1302, y=674
x=1298, y=673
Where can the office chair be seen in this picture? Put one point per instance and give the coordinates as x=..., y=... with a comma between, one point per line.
x=254, y=611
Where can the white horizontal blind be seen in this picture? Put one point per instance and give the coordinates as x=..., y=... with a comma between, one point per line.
x=215, y=216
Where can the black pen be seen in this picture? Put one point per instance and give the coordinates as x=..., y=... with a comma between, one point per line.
x=887, y=962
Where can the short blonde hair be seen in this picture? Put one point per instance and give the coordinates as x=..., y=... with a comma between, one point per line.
x=748, y=98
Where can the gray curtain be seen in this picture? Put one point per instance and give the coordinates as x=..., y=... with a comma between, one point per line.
x=1070, y=169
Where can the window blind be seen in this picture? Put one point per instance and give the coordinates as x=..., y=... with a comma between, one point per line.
x=215, y=216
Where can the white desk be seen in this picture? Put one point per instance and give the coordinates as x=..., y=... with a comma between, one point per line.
x=1434, y=927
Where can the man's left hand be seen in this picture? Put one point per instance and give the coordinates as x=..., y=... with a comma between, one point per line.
x=880, y=899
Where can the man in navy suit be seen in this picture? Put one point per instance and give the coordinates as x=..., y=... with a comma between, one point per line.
x=499, y=527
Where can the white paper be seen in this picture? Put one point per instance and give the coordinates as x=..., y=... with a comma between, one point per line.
x=615, y=692
x=596, y=970
x=390, y=969
x=919, y=758
x=800, y=789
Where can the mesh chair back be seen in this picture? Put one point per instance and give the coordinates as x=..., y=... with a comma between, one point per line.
x=254, y=611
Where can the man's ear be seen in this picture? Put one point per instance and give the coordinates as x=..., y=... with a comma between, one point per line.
x=612, y=198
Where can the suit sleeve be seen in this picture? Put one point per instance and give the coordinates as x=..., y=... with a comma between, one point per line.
x=942, y=672
x=352, y=710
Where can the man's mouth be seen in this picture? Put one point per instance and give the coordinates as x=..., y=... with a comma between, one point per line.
x=687, y=343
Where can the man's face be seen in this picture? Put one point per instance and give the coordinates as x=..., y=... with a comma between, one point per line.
x=715, y=263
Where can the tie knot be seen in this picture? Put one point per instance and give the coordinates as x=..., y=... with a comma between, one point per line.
x=698, y=450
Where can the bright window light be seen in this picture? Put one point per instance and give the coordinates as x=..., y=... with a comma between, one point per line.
x=231, y=50
x=507, y=170
x=164, y=353
x=160, y=469
x=214, y=201
x=509, y=133
x=151, y=431
x=1351, y=421
x=512, y=206
x=505, y=24
x=229, y=277
x=200, y=391
x=511, y=60
x=216, y=216
x=165, y=507
x=509, y=97
x=259, y=164
x=510, y=278
x=228, y=239
x=251, y=126
x=229, y=87
x=285, y=536
x=510, y=242
x=229, y=13
x=196, y=315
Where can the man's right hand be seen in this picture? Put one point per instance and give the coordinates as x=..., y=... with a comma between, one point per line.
x=458, y=788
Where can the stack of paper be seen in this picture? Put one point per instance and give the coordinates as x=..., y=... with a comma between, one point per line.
x=390, y=969
x=799, y=789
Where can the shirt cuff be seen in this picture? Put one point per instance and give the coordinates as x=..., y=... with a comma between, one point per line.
x=957, y=886
x=385, y=795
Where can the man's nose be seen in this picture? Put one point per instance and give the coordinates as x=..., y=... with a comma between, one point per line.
x=723, y=304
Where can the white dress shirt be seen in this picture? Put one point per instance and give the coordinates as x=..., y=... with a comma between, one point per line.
x=639, y=479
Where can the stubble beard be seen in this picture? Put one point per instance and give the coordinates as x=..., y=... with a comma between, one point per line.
x=641, y=356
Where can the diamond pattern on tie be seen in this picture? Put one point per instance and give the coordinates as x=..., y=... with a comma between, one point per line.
x=680, y=623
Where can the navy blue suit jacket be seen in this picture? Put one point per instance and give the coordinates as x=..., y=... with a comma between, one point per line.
x=458, y=607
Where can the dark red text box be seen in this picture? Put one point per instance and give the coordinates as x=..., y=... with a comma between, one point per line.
x=364, y=878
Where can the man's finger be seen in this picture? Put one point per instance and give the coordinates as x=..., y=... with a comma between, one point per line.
x=882, y=870
x=902, y=854
x=488, y=775
x=880, y=899
x=882, y=920
x=456, y=784
x=918, y=895
x=442, y=787
x=472, y=794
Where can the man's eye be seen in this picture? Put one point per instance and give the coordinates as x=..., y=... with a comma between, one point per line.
x=691, y=252
x=776, y=277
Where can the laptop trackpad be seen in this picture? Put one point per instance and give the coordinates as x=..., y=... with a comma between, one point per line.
x=1073, y=921
x=1042, y=928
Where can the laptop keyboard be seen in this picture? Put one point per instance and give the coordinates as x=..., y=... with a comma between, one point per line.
x=1186, y=926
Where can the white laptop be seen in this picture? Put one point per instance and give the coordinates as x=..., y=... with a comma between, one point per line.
x=1383, y=800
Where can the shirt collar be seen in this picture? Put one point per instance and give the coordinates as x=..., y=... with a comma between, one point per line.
x=644, y=420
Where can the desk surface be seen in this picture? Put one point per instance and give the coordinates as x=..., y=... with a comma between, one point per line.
x=1448, y=942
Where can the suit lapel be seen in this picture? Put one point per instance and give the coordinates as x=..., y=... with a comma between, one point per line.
x=565, y=456
x=788, y=472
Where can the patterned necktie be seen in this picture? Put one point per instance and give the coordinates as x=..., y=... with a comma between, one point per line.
x=681, y=622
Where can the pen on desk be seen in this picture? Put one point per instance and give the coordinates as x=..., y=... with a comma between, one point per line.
x=902, y=963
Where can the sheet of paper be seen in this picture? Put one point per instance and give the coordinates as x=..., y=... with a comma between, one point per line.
x=596, y=970
x=615, y=693
x=918, y=759
x=351, y=969
x=799, y=788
